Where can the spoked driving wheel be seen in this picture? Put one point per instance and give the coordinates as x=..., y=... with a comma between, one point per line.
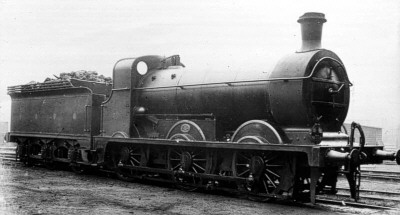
x=129, y=156
x=261, y=171
x=186, y=163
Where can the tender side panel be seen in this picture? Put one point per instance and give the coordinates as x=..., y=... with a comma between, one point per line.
x=59, y=113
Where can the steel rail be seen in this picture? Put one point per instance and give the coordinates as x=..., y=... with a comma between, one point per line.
x=378, y=172
x=380, y=175
x=387, y=193
x=353, y=204
x=8, y=153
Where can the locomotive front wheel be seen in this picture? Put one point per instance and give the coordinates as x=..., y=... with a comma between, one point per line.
x=129, y=156
x=260, y=169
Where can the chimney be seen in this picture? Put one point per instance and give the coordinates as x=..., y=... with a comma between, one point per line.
x=311, y=30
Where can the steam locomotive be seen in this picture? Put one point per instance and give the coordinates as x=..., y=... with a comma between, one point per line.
x=266, y=134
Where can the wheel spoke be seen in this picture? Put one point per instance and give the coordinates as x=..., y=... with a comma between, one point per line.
x=276, y=175
x=273, y=165
x=244, y=156
x=270, y=158
x=244, y=172
x=199, y=159
x=176, y=166
x=265, y=186
x=270, y=180
x=198, y=166
x=194, y=169
x=194, y=154
x=134, y=159
x=176, y=152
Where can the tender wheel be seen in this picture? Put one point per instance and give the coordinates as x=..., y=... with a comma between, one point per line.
x=48, y=151
x=129, y=156
x=22, y=154
x=78, y=169
x=51, y=165
x=74, y=155
x=32, y=152
x=61, y=152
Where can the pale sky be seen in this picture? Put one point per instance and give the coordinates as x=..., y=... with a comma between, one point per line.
x=42, y=38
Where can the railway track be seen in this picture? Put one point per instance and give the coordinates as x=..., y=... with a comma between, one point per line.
x=369, y=199
x=380, y=175
x=8, y=153
x=365, y=192
x=330, y=201
x=372, y=199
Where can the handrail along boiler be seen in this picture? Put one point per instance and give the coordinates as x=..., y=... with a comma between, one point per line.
x=269, y=134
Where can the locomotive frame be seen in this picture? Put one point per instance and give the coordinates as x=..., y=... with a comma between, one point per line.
x=222, y=131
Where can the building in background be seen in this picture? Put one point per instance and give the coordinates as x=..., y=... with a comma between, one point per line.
x=391, y=138
x=373, y=136
x=397, y=138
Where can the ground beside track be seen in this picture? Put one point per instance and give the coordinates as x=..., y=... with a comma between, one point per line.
x=37, y=190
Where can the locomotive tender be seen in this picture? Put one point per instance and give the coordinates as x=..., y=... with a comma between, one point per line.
x=268, y=134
